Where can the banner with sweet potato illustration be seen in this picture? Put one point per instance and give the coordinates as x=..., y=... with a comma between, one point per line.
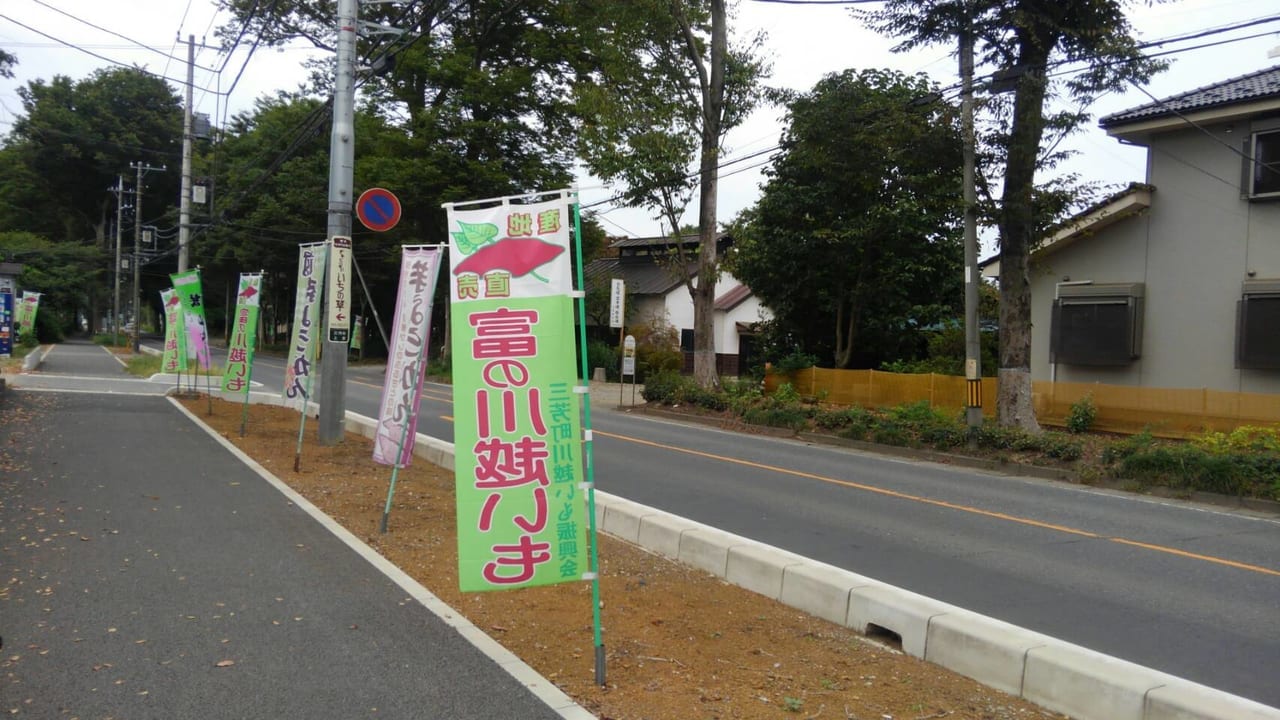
x=517, y=429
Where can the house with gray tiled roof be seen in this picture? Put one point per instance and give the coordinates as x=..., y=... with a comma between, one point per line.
x=655, y=270
x=1174, y=282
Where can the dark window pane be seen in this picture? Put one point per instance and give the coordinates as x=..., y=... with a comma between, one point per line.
x=1266, y=167
x=1260, y=341
x=1093, y=333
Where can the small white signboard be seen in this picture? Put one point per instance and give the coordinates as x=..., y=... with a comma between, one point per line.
x=340, y=290
x=617, y=301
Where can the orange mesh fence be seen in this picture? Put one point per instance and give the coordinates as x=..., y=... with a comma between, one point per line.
x=1165, y=412
x=873, y=388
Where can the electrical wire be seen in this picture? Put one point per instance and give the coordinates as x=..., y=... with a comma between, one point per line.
x=115, y=34
x=83, y=50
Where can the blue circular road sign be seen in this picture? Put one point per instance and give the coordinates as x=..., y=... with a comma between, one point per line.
x=378, y=209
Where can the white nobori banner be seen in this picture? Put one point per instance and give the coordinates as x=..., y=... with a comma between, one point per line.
x=407, y=357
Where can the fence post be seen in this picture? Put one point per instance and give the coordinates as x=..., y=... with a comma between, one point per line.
x=932, y=378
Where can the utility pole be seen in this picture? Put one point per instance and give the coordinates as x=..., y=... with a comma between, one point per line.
x=184, y=202
x=333, y=364
x=141, y=167
x=972, y=274
x=115, y=307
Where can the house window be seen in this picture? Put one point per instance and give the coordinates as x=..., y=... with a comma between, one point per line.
x=1257, y=321
x=1099, y=324
x=686, y=340
x=1264, y=180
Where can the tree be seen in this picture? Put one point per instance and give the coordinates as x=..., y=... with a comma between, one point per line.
x=668, y=86
x=856, y=240
x=63, y=156
x=7, y=61
x=66, y=275
x=72, y=140
x=1026, y=38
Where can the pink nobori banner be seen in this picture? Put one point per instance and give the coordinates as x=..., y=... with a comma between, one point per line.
x=407, y=358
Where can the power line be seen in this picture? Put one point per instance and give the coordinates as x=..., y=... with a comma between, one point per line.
x=104, y=58
x=114, y=33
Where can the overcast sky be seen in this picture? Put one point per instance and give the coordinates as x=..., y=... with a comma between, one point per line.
x=804, y=42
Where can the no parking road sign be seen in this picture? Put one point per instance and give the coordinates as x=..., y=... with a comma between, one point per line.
x=378, y=209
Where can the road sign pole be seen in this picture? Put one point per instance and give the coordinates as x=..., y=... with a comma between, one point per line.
x=333, y=363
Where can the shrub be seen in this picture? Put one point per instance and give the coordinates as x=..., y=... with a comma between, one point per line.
x=944, y=437
x=792, y=417
x=1061, y=447
x=837, y=419
x=999, y=437
x=441, y=367
x=1082, y=414
x=603, y=355
x=1244, y=439
x=663, y=388
x=917, y=416
x=1121, y=449
x=795, y=360
x=785, y=394
x=891, y=433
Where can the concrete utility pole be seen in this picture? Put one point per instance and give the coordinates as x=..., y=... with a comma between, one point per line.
x=972, y=274
x=184, y=202
x=333, y=364
x=137, y=252
x=115, y=307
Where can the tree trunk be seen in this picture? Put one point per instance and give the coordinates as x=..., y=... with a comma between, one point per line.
x=1017, y=235
x=704, y=295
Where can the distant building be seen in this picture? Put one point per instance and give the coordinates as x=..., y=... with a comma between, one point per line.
x=655, y=270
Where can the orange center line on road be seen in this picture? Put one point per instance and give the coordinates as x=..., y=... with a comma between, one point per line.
x=950, y=505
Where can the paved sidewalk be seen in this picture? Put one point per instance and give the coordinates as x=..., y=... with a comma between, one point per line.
x=148, y=573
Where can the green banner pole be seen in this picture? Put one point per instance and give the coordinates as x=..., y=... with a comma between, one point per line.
x=587, y=450
x=395, y=469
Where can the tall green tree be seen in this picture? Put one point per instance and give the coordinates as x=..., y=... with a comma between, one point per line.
x=61, y=160
x=64, y=273
x=7, y=61
x=74, y=137
x=667, y=89
x=1026, y=38
x=856, y=240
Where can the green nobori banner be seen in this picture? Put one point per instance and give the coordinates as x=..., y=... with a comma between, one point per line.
x=521, y=511
x=235, y=377
x=174, y=359
x=25, y=313
x=521, y=517
x=357, y=333
x=190, y=291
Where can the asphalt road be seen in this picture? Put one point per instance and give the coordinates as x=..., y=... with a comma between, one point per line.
x=148, y=573
x=1183, y=588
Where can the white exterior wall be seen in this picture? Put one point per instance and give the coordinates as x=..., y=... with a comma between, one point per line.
x=1192, y=249
x=748, y=311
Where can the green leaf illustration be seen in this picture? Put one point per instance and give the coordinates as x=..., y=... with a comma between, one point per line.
x=473, y=235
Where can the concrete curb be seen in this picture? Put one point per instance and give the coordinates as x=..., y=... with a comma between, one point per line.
x=1057, y=675
x=33, y=359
